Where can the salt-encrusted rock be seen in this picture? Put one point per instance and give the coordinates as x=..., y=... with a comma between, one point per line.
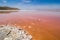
x=8, y=32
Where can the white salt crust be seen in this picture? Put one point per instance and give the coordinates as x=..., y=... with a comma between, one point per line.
x=8, y=32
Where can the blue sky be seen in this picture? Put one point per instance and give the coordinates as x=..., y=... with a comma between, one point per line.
x=31, y=4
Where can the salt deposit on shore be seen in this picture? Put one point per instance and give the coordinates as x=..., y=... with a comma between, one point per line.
x=8, y=32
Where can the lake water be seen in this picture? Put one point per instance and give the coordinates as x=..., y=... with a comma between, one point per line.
x=42, y=25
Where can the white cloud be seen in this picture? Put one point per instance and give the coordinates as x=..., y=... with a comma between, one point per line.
x=36, y=7
x=4, y=1
x=26, y=1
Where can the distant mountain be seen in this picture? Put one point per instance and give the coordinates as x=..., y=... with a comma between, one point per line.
x=8, y=8
x=5, y=9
